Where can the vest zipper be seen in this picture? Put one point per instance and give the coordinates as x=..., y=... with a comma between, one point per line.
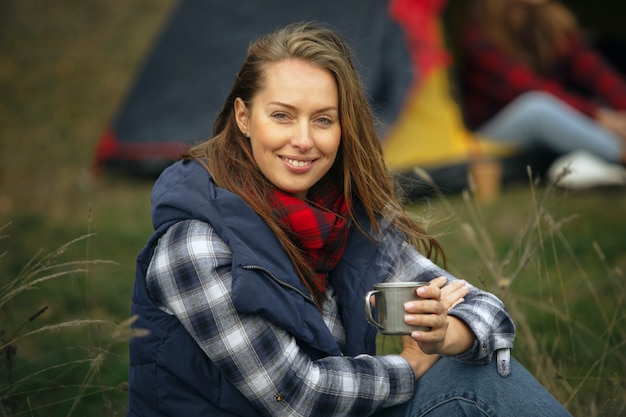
x=305, y=295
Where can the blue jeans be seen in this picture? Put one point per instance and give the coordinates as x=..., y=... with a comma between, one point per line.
x=452, y=389
x=540, y=119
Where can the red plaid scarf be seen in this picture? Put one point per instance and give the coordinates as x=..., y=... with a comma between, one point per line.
x=319, y=225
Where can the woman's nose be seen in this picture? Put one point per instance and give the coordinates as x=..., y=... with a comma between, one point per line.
x=302, y=138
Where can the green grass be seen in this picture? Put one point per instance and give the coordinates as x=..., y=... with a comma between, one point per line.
x=63, y=72
x=558, y=263
x=557, y=259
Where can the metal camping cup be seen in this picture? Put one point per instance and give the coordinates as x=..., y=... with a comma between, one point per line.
x=389, y=306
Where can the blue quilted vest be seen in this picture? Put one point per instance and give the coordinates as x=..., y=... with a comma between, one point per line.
x=169, y=374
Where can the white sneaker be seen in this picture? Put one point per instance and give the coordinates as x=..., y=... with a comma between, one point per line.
x=581, y=170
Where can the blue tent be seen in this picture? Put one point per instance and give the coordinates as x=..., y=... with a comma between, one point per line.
x=190, y=70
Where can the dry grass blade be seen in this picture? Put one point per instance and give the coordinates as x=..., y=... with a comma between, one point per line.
x=54, y=328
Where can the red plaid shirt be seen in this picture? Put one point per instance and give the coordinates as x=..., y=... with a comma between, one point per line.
x=491, y=78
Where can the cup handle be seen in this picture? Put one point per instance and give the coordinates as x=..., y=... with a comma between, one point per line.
x=368, y=309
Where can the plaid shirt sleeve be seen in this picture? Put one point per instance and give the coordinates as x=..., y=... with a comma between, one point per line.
x=584, y=67
x=493, y=78
x=483, y=312
x=190, y=276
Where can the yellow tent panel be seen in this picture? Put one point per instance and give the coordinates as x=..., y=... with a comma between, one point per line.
x=430, y=131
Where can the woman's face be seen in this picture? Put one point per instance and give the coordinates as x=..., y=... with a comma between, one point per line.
x=293, y=124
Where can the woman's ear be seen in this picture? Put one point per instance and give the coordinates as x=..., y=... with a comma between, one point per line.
x=241, y=115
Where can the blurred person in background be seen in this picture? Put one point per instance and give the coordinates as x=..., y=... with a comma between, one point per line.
x=529, y=78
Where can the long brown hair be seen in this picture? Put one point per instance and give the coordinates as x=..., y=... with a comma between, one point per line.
x=359, y=165
x=534, y=33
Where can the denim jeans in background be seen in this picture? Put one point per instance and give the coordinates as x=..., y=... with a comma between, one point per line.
x=541, y=119
x=454, y=389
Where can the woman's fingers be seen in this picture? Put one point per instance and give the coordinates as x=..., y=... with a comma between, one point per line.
x=449, y=294
x=453, y=293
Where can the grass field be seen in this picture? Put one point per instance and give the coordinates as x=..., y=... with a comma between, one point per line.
x=557, y=258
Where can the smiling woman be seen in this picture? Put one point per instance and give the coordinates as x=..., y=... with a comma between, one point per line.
x=293, y=125
x=268, y=236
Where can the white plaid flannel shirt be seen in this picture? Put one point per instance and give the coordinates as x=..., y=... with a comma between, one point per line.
x=190, y=277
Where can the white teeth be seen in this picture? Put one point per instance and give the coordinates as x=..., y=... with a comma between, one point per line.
x=297, y=163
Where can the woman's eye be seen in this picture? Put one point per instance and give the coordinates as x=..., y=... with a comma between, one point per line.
x=280, y=116
x=325, y=120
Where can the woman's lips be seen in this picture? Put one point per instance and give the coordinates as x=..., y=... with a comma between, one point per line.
x=297, y=163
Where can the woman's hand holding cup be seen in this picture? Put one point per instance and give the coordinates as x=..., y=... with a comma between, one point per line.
x=447, y=335
x=420, y=311
x=431, y=311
